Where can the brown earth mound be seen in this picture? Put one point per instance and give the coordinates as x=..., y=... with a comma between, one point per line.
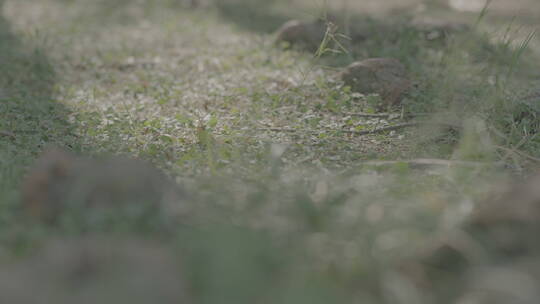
x=384, y=76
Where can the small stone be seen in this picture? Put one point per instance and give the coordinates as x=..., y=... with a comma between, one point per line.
x=384, y=76
x=305, y=34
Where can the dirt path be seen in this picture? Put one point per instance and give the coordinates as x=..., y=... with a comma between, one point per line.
x=184, y=86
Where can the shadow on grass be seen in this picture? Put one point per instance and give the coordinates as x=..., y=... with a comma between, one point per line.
x=367, y=35
x=30, y=119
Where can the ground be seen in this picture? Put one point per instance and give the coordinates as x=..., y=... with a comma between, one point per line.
x=265, y=138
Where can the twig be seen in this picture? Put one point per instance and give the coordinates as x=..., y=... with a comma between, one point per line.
x=367, y=132
x=371, y=115
x=426, y=163
x=520, y=153
x=382, y=130
x=277, y=130
x=384, y=115
x=7, y=134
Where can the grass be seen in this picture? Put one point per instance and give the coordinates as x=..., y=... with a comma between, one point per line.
x=282, y=206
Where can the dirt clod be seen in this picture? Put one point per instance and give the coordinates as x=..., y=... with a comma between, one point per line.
x=60, y=181
x=303, y=34
x=384, y=76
